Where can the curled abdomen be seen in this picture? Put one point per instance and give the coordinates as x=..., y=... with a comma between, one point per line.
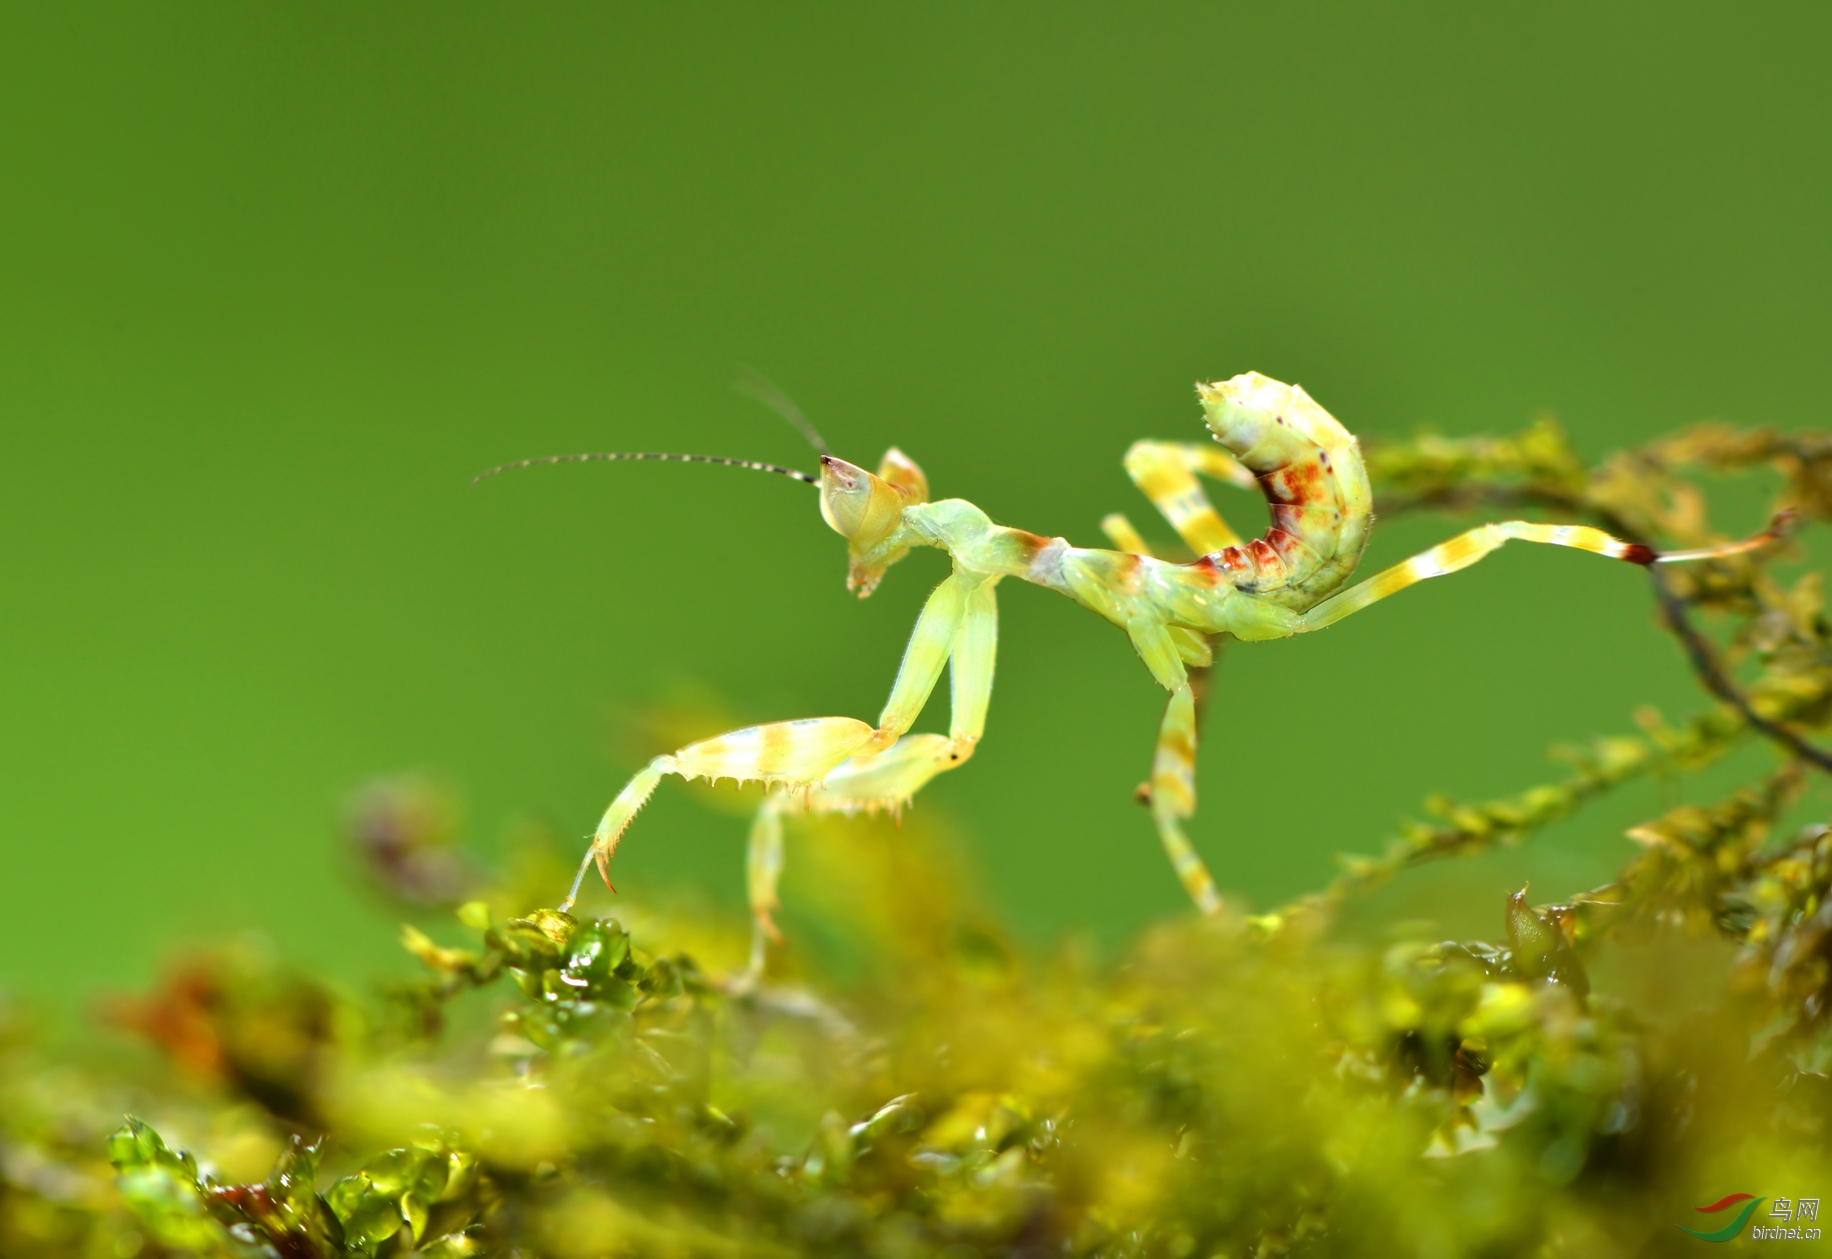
x=1309, y=468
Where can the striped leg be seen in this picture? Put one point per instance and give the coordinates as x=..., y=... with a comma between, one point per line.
x=1166, y=473
x=1171, y=792
x=889, y=779
x=1124, y=537
x=1197, y=650
x=1173, y=797
x=1466, y=548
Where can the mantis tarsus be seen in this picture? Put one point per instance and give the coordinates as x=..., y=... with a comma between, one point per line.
x=1268, y=435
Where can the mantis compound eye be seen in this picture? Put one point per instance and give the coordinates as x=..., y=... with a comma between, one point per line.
x=844, y=495
x=857, y=505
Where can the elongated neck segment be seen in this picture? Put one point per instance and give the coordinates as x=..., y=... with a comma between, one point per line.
x=1128, y=590
x=979, y=546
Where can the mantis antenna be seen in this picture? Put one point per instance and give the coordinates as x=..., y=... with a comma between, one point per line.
x=649, y=454
x=749, y=382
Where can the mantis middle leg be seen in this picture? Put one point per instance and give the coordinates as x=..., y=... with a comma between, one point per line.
x=1172, y=797
x=1171, y=791
x=1166, y=473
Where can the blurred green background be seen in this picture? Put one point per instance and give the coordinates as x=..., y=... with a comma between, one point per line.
x=276, y=280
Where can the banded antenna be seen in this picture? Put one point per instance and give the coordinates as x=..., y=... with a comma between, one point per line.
x=746, y=381
x=649, y=454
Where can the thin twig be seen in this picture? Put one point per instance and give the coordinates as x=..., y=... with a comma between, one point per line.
x=1712, y=677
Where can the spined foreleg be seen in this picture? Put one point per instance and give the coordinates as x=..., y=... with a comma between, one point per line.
x=839, y=763
x=793, y=753
x=882, y=783
x=887, y=780
x=787, y=752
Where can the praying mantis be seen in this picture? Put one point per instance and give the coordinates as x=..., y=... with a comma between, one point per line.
x=1291, y=580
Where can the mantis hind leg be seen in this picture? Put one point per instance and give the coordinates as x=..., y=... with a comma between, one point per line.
x=1467, y=548
x=1166, y=472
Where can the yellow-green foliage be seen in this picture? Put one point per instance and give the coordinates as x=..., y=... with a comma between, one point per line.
x=1267, y=1085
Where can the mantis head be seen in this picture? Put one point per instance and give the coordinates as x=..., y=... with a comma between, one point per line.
x=866, y=508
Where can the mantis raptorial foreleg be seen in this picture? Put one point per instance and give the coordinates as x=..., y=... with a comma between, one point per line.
x=970, y=670
x=1466, y=548
x=890, y=778
x=838, y=764
x=791, y=753
x=884, y=781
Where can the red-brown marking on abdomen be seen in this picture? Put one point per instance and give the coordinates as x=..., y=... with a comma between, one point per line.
x=1267, y=560
x=1308, y=522
x=1205, y=567
x=1636, y=553
x=1289, y=546
x=1294, y=483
